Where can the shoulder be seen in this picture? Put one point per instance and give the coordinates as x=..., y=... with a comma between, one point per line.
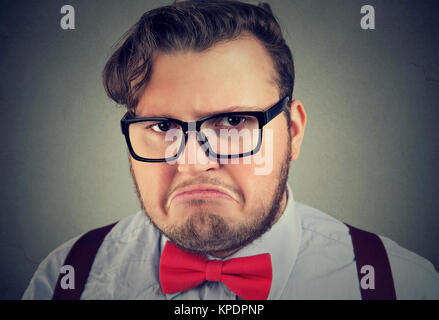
x=414, y=276
x=325, y=265
x=45, y=277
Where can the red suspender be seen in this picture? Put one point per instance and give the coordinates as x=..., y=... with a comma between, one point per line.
x=371, y=256
x=368, y=248
x=81, y=257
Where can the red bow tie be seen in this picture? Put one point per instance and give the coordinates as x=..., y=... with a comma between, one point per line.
x=248, y=277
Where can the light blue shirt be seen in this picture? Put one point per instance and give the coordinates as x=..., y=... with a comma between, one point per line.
x=311, y=253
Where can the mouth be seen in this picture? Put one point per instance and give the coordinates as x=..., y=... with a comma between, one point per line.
x=201, y=192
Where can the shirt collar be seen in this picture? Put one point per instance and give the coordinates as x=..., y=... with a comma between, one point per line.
x=282, y=241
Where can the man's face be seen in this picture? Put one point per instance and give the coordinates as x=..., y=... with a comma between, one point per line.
x=207, y=206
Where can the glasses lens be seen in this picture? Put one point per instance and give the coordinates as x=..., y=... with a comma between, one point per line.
x=155, y=139
x=232, y=134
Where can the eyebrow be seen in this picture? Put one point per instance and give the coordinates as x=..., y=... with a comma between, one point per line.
x=206, y=114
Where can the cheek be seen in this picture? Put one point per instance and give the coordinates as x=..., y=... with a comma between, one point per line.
x=153, y=180
x=256, y=188
x=259, y=179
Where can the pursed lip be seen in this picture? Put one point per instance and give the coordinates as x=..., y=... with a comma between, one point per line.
x=201, y=191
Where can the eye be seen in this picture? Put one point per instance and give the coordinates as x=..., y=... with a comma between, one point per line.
x=163, y=126
x=231, y=121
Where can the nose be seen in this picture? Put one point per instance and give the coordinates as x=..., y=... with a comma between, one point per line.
x=194, y=159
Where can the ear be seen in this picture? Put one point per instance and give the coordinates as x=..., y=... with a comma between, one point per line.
x=298, y=120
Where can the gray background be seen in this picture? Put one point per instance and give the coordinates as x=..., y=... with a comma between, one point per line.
x=370, y=151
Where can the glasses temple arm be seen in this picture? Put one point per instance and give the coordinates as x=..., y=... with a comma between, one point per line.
x=271, y=113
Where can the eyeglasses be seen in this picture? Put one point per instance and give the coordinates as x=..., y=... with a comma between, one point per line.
x=225, y=135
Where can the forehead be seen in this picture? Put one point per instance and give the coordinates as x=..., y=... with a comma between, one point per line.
x=187, y=85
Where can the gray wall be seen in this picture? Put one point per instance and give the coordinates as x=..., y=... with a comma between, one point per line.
x=370, y=151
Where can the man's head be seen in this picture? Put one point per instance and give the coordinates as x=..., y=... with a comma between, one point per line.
x=190, y=60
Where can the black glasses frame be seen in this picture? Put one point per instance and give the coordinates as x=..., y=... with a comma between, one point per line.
x=263, y=117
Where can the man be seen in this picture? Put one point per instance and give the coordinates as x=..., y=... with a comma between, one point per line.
x=211, y=129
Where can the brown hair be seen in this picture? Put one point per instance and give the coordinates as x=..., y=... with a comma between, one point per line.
x=192, y=25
